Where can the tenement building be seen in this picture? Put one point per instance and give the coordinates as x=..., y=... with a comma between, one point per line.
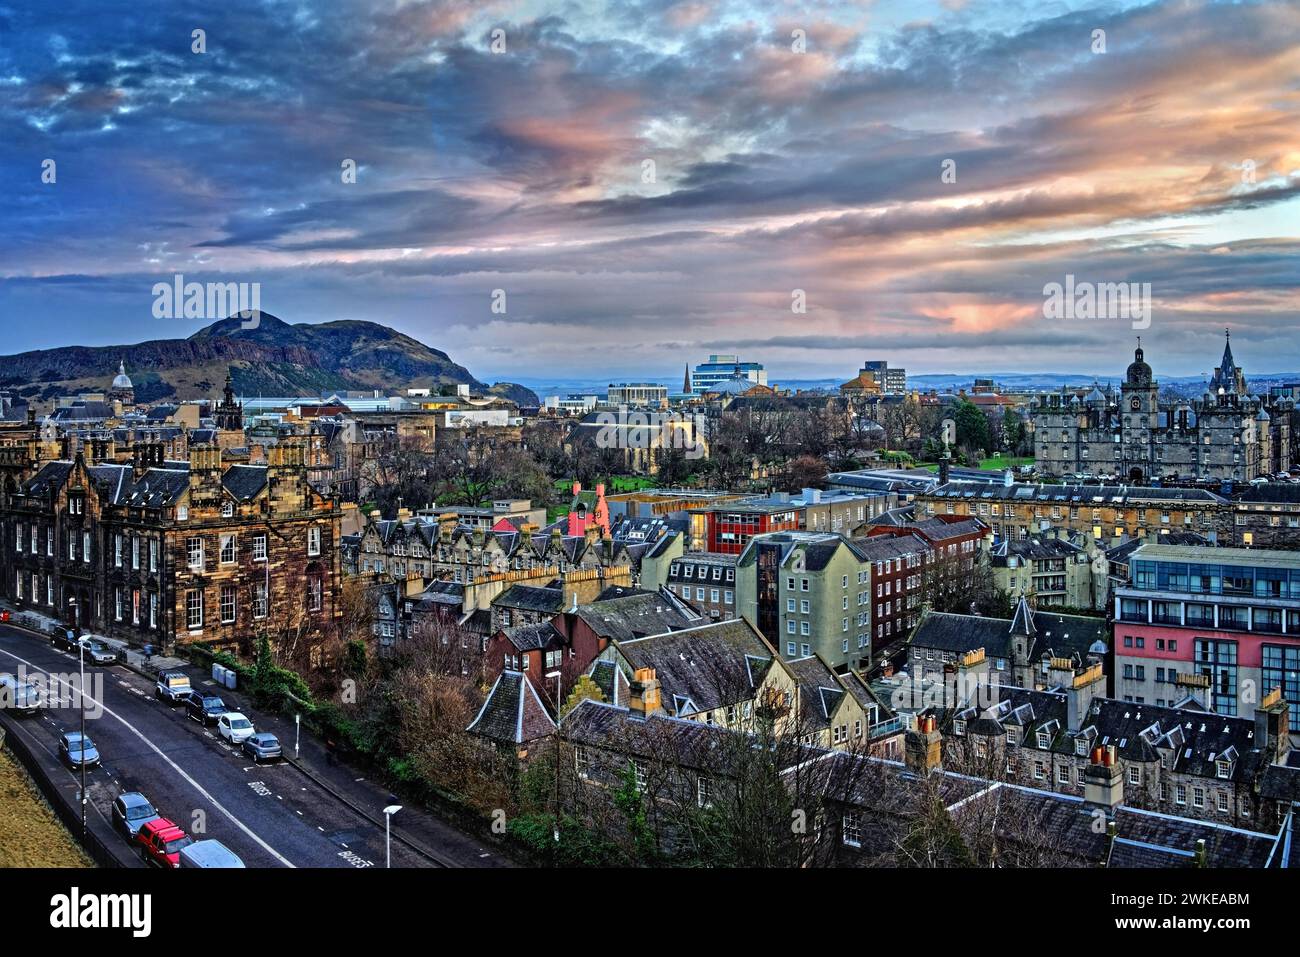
x=1229, y=433
x=167, y=552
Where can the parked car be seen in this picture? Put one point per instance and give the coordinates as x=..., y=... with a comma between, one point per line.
x=204, y=707
x=160, y=842
x=131, y=811
x=19, y=697
x=234, y=727
x=209, y=853
x=77, y=749
x=65, y=638
x=97, y=651
x=262, y=747
x=173, y=687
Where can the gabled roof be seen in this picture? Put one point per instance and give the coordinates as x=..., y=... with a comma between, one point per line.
x=513, y=712
x=638, y=615
x=712, y=666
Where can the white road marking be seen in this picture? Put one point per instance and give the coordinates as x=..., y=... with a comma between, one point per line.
x=176, y=767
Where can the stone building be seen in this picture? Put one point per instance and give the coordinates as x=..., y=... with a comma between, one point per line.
x=168, y=552
x=1134, y=436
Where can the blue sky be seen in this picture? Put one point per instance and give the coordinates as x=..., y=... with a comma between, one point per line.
x=774, y=170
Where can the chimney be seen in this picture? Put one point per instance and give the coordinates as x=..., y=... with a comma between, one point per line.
x=1080, y=688
x=1273, y=727
x=923, y=748
x=403, y=514
x=643, y=694
x=1103, y=781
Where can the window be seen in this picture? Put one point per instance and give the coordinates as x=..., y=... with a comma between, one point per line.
x=1062, y=774
x=194, y=552
x=1044, y=740
x=315, y=593
x=182, y=513
x=193, y=608
x=313, y=540
x=227, y=549
x=153, y=553
x=259, y=600
x=1134, y=775
x=227, y=509
x=790, y=647
x=1221, y=801
x=851, y=829
x=85, y=548
x=259, y=547
x=638, y=775
x=1198, y=797
x=227, y=603
x=1223, y=769
x=153, y=609
x=704, y=792
x=117, y=550
x=581, y=761
x=135, y=552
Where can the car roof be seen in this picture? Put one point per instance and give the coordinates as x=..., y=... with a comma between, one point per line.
x=74, y=736
x=133, y=799
x=262, y=736
x=235, y=714
x=160, y=824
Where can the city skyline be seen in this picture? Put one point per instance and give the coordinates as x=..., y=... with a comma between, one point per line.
x=797, y=154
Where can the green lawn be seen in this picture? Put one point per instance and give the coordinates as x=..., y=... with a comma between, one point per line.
x=617, y=483
x=1001, y=462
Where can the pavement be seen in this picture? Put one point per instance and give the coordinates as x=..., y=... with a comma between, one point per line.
x=311, y=810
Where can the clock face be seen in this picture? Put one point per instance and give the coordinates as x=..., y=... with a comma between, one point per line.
x=1136, y=403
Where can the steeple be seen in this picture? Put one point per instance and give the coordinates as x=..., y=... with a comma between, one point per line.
x=686, y=388
x=1228, y=377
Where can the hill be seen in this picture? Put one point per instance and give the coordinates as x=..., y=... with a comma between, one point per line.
x=273, y=359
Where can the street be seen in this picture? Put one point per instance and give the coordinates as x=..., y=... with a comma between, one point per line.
x=271, y=815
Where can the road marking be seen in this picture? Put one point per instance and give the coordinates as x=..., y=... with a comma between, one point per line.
x=176, y=767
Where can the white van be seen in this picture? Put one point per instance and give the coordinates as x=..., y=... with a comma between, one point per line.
x=208, y=853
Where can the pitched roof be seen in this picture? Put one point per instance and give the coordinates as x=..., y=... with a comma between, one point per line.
x=513, y=712
x=703, y=668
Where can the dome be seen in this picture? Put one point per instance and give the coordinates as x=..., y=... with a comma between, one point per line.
x=122, y=381
x=1139, y=373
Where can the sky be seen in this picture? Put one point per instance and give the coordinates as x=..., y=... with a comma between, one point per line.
x=589, y=189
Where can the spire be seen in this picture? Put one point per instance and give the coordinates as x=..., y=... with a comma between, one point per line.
x=1228, y=364
x=686, y=388
x=121, y=367
x=1023, y=622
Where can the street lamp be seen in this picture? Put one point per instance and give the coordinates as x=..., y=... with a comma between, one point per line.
x=557, y=675
x=388, y=833
x=81, y=700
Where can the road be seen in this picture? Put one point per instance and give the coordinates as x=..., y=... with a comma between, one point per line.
x=271, y=815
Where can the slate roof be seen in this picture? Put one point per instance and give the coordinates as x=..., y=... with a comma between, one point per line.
x=533, y=637
x=700, y=669
x=882, y=788
x=610, y=679
x=244, y=481
x=1084, y=495
x=1064, y=635
x=531, y=598
x=820, y=693
x=635, y=616
x=513, y=712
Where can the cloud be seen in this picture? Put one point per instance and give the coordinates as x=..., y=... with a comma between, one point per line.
x=772, y=171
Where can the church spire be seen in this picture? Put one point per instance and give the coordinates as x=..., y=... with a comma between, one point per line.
x=686, y=387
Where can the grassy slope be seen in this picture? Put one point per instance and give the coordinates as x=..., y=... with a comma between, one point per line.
x=30, y=834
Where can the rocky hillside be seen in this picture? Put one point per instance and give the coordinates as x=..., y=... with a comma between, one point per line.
x=274, y=359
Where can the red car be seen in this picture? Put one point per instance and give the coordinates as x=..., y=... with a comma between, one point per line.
x=160, y=842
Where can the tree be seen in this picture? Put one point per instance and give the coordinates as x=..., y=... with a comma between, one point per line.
x=972, y=427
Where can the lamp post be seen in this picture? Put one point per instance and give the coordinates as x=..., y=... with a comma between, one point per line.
x=557, y=675
x=81, y=701
x=388, y=833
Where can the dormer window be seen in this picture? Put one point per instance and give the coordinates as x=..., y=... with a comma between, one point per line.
x=1081, y=747
x=959, y=727
x=1044, y=740
x=1223, y=768
x=227, y=509
x=1013, y=736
